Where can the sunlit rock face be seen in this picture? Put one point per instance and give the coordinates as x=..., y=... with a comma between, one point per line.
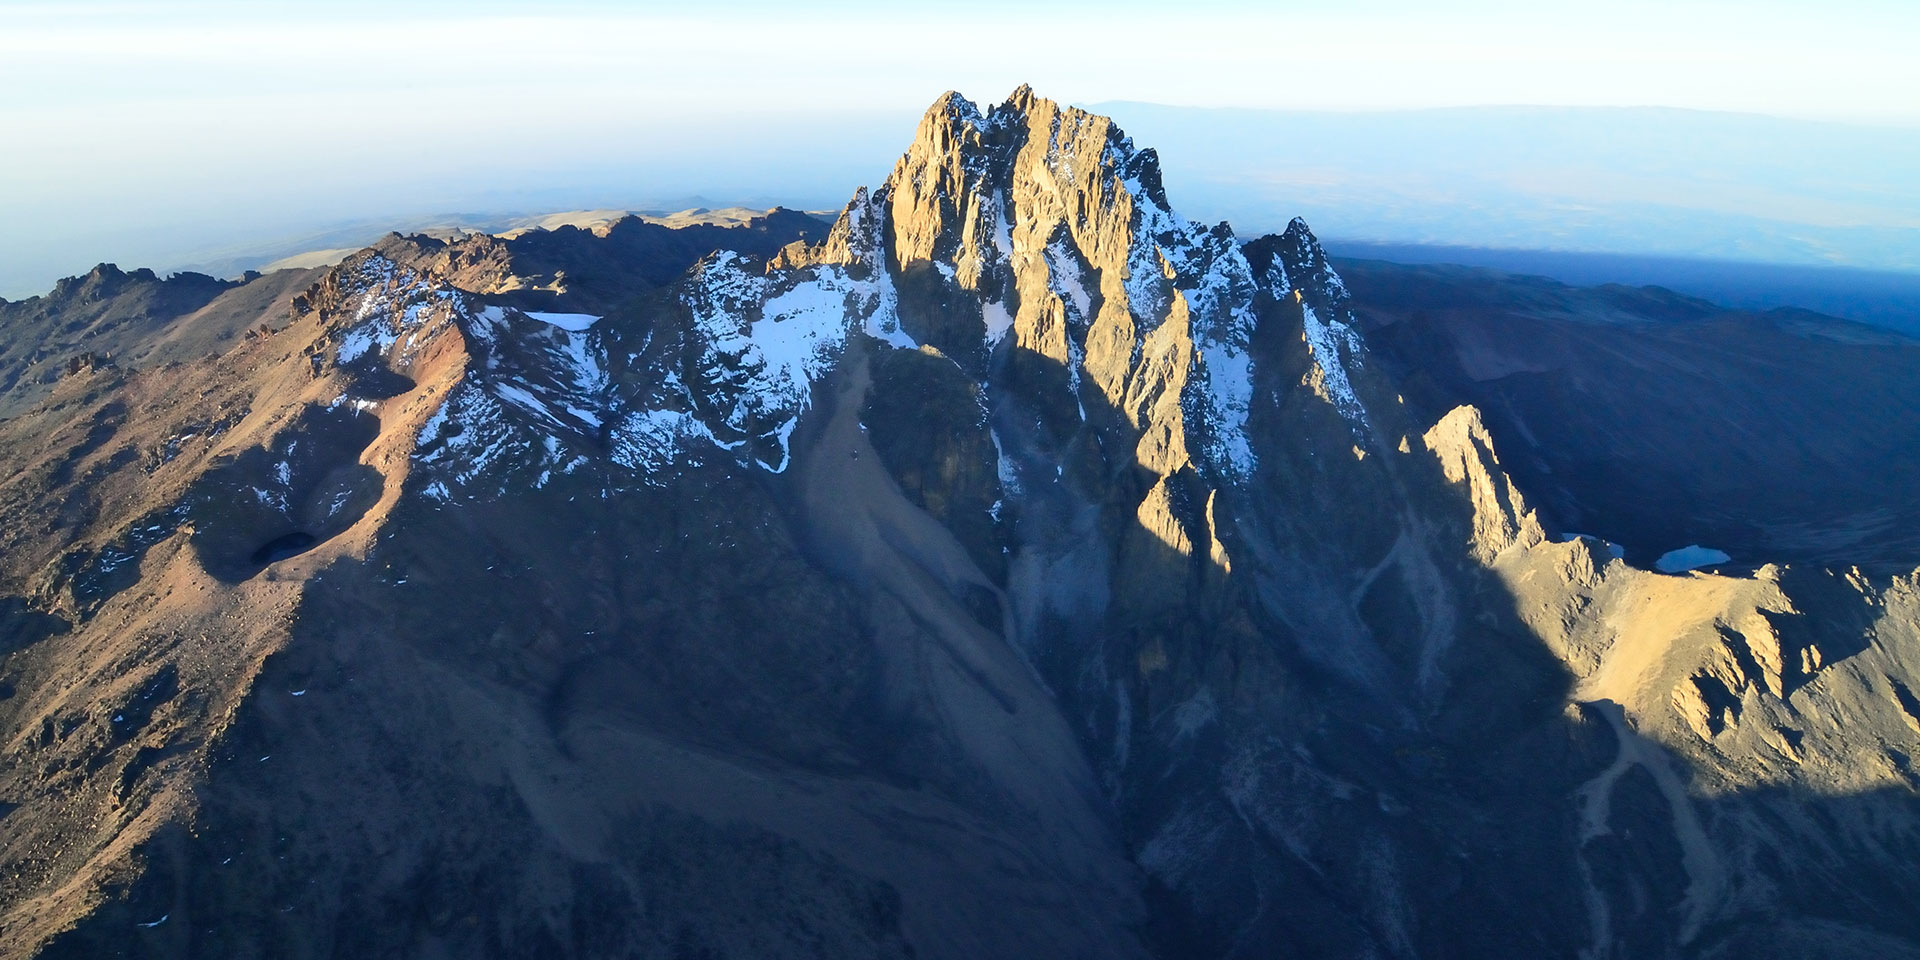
x=1012, y=568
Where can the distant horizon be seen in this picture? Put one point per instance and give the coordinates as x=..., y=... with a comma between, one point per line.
x=173, y=133
x=373, y=229
x=1892, y=123
x=1342, y=186
x=177, y=131
x=1882, y=298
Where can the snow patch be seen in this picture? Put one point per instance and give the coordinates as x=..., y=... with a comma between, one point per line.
x=799, y=332
x=393, y=300
x=525, y=399
x=649, y=441
x=1002, y=230
x=998, y=321
x=430, y=431
x=1009, y=475
x=574, y=322
x=1230, y=389
x=766, y=342
x=1064, y=269
x=1327, y=340
x=1190, y=716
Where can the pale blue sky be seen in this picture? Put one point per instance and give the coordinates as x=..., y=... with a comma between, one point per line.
x=1838, y=59
x=135, y=129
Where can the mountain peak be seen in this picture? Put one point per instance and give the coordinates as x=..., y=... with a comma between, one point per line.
x=1020, y=550
x=952, y=106
x=1033, y=244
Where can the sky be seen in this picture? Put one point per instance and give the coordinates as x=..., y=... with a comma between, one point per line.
x=1638, y=181
x=155, y=132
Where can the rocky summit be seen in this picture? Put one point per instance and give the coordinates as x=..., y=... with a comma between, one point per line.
x=1010, y=568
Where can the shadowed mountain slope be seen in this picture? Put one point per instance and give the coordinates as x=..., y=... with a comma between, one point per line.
x=1657, y=420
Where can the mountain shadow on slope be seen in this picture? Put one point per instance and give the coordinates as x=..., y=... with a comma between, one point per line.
x=1657, y=420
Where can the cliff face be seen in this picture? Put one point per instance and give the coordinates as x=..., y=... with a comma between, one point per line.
x=1018, y=569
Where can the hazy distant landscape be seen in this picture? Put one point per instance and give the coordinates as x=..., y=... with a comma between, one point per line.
x=1883, y=298
x=1750, y=211
x=1638, y=181
x=1583, y=195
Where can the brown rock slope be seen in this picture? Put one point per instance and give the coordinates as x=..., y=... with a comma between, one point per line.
x=131, y=319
